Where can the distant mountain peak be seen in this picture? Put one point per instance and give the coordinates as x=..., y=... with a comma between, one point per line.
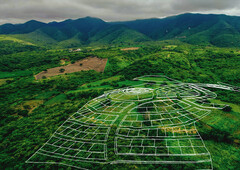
x=33, y=21
x=193, y=28
x=88, y=18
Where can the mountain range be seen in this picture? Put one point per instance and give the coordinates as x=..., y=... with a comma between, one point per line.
x=207, y=29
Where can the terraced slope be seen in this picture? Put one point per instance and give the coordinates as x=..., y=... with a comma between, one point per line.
x=152, y=122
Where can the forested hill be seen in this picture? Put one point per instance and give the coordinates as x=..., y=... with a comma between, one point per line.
x=217, y=30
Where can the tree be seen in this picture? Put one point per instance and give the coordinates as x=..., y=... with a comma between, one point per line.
x=61, y=70
x=27, y=107
x=23, y=113
x=9, y=81
x=227, y=108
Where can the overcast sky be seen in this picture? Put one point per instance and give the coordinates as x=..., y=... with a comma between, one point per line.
x=18, y=11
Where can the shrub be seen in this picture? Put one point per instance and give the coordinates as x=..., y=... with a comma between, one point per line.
x=104, y=83
x=61, y=70
x=23, y=113
x=227, y=108
x=9, y=81
x=178, y=96
x=27, y=107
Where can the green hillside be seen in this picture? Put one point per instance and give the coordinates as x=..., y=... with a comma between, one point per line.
x=118, y=35
x=9, y=45
x=221, y=34
x=36, y=37
x=200, y=52
x=191, y=28
x=217, y=30
x=32, y=110
x=75, y=41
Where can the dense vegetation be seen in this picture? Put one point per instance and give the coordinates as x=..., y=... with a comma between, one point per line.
x=198, y=29
x=31, y=110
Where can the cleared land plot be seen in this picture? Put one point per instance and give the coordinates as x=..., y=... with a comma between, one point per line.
x=90, y=63
x=129, y=49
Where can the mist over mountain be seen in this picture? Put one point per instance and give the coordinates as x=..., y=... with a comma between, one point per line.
x=210, y=29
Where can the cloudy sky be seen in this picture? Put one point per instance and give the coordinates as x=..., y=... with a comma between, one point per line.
x=18, y=11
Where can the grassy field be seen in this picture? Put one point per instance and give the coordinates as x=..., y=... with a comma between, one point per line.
x=10, y=38
x=14, y=74
x=55, y=100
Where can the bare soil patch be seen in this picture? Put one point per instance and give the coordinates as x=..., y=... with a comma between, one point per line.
x=131, y=48
x=90, y=63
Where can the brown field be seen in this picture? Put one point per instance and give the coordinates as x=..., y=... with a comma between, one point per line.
x=131, y=48
x=90, y=63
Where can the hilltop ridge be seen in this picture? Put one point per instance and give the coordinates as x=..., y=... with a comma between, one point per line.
x=199, y=29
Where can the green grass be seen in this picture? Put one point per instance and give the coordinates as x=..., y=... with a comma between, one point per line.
x=153, y=79
x=107, y=65
x=10, y=38
x=224, y=156
x=64, y=95
x=45, y=95
x=90, y=88
x=235, y=107
x=107, y=80
x=129, y=83
x=58, y=99
x=225, y=121
x=14, y=74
